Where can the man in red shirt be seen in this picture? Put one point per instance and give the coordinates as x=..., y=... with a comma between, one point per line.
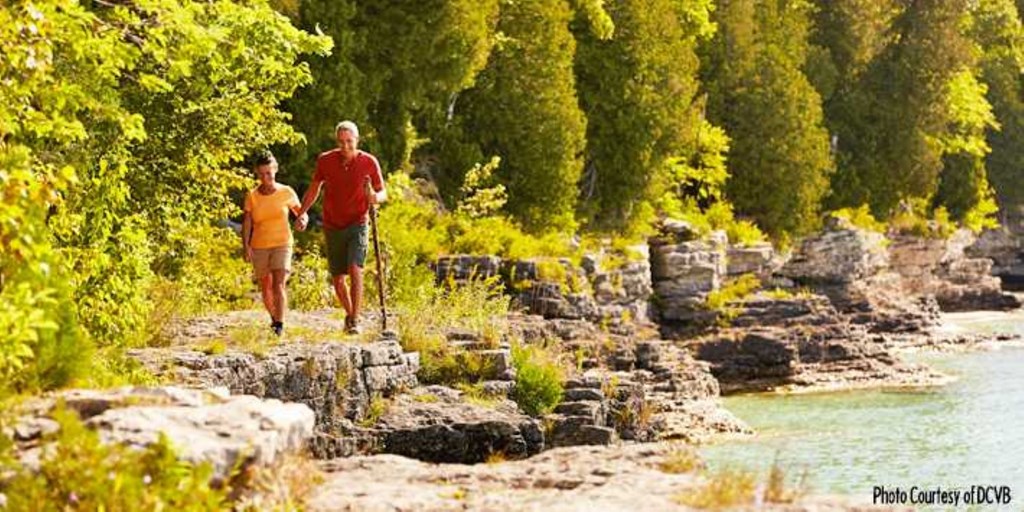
x=353, y=182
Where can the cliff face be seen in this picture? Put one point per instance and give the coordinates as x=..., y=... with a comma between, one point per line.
x=1004, y=248
x=947, y=271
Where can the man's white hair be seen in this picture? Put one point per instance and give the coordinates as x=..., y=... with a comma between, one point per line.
x=347, y=126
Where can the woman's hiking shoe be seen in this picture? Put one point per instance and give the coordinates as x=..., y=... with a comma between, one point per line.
x=351, y=325
x=277, y=327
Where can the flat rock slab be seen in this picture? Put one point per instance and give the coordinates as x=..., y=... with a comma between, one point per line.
x=226, y=431
x=579, y=478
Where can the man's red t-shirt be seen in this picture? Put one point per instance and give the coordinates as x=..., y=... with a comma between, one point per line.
x=345, y=201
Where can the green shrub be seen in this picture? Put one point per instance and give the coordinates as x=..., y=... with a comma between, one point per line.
x=428, y=311
x=482, y=195
x=914, y=221
x=732, y=291
x=502, y=237
x=538, y=379
x=309, y=286
x=112, y=368
x=693, y=189
x=982, y=216
x=215, y=277
x=410, y=224
x=81, y=473
x=378, y=406
x=860, y=217
x=41, y=346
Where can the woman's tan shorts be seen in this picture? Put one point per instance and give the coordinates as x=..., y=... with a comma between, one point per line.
x=275, y=258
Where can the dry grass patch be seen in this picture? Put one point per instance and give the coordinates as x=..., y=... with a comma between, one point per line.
x=726, y=489
x=734, y=488
x=281, y=486
x=681, y=458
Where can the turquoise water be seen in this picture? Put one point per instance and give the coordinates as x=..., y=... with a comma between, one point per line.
x=964, y=434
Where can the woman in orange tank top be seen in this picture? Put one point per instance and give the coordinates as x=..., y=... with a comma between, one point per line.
x=267, y=237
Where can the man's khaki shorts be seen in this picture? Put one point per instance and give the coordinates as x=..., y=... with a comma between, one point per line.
x=275, y=258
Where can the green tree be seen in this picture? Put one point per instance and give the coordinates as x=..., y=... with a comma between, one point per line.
x=524, y=109
x=395, y=69
x=853, y=32
x=997, y=29
x=963, y=187
x=145, y=110
x=419, y=55
x=890, y=128
x=638, y=91
x=339, y=88
x=779, y=159
x=846, y=37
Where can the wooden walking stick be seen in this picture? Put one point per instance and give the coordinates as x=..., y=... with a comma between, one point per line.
x=380, y=267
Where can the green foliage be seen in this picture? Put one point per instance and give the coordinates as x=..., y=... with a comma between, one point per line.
x=853, y=32
x=395, y=68
x=648, y=69
x=482, y=197
x=426, y=313
x=860, y=217
x=897, y=123
x=41, y=346
x=214, y=277
x=997, y=30
x=415, y=231
x=134, y=118
x=415, y=56
x=81, y=473
x=377, y=408
x=732, y=291
x=913, y=219
x=694, y=189
x=112, y=367
x=780, y=159
x=599, y=22
x=538, y=379
x=524, y=109
x=309, y=287
x=963, y=184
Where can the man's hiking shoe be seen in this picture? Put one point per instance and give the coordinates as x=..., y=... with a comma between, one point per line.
x=278, y=328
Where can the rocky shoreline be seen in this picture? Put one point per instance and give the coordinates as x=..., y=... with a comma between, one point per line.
x=656, y=341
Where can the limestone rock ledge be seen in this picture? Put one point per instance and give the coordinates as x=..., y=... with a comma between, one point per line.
x=336, y=380
x=227, y=431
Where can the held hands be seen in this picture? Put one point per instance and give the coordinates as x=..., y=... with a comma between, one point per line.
x=301, y=222
x=248, y=254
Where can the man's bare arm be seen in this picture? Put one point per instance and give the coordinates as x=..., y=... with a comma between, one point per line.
x=308, y=199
